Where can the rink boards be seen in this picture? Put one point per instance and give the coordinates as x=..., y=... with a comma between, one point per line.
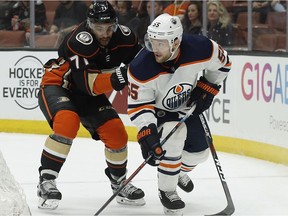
x=248, y=117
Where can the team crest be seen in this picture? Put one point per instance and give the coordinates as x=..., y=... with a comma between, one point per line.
x=125, y=30
x=176, y=96
x=174, y=21
x=63, y=99
x=84, y=38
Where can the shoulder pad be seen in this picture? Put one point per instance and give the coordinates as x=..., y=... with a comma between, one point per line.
x=125, y=36
x=197, y=47
x=125, y=30
x=144, y=67
x=82, y=42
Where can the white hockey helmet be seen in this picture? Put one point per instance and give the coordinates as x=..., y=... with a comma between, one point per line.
x=164, y=27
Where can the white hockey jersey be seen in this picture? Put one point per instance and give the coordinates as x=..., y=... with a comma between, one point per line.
x=168, y=86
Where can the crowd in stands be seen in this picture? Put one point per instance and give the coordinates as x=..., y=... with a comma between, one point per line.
x=225, y=22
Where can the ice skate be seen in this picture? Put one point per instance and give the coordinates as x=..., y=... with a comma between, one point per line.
x=130, y=195
x=185, y=183
x=172, y=203
x=49, y=195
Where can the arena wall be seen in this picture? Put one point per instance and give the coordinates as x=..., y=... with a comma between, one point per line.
x=249, y=116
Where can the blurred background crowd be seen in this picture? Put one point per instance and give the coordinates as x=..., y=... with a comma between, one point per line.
x=237, y=25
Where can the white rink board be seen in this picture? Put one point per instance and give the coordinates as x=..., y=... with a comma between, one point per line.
x=20, y=76
x=252, y=104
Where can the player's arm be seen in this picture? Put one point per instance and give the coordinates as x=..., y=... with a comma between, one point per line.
x=207, y=86
x=57, y=72
x=91, y=80
x=218, y=66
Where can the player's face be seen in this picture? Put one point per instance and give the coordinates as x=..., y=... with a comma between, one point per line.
x=161, y=50
x=103, y=32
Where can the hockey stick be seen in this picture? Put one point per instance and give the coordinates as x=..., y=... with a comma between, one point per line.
x=145, y=161
x=229, y=210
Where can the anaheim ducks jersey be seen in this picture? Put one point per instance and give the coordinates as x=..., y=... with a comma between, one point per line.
x=168, y=86
x=84, y=58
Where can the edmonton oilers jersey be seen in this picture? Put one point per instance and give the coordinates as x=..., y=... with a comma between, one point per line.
x=167, y=86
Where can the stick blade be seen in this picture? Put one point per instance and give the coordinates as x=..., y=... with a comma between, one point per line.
x=229, y=210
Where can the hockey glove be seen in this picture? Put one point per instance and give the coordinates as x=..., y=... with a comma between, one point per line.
x=119, y=79
x=203, y=95
x=149, y=140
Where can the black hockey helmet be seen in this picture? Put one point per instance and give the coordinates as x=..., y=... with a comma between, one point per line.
x=101, y=11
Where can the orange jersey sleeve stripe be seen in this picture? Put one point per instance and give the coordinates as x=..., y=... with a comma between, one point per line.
x=140, y=108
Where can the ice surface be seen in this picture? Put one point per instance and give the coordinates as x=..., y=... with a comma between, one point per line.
x=257, y=187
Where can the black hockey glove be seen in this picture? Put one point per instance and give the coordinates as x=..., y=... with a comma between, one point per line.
x=203, y=95
x=119, y=79
x=149, y=140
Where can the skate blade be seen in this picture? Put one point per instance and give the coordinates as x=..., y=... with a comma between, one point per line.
x=125, y=201
x=173, y=211
x=48, y=204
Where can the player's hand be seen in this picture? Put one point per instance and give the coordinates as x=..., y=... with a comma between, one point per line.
x=119, y=79
x=149, y=140
x=203, y=95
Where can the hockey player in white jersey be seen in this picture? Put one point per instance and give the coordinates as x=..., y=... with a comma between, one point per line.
x=165, y=79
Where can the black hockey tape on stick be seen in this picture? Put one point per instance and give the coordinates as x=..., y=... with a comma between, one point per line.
x=229, y=210
x=145, y=161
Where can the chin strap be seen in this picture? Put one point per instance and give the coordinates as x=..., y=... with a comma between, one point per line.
x=173, y=53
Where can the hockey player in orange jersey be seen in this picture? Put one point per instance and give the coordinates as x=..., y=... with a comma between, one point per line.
x=72, y=92
x=164, y=83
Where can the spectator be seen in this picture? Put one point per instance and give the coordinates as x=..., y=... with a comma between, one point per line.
x=263, y=7
x=20, y=16
x=192, y=20
x=136, y=5
x=68, y=15
x=5, y=19
x=219, y=26
x=177, y=8
x=140, y=23
x=277, y=6
x=124, y=12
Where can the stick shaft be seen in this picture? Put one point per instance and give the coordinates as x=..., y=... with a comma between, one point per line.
x=229, y=210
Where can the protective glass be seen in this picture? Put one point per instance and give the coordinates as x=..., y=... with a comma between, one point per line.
x=101, y=29
x=156, y=45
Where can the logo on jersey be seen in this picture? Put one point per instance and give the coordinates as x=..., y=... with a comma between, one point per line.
x=177, y=96
x=63, y=99
x=84, y=38
x=125, y=30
